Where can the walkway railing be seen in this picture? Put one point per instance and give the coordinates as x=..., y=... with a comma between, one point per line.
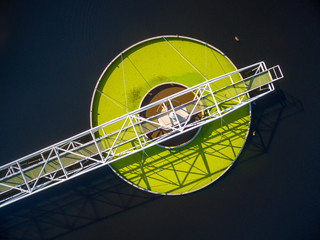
x=128, y=134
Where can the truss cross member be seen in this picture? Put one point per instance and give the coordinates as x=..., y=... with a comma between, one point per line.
x=15, y=180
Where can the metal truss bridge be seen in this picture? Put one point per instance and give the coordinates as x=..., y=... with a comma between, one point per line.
x=126, y=135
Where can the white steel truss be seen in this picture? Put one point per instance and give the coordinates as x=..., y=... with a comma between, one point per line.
x=126, y=135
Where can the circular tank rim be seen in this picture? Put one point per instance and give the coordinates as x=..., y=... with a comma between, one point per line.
x=192, y=39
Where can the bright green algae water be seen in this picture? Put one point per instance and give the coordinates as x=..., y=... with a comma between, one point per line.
x=130, y=76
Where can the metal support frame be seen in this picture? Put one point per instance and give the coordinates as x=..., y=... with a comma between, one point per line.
x=100, y=146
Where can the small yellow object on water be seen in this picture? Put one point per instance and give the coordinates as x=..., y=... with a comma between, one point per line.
x=236, y=38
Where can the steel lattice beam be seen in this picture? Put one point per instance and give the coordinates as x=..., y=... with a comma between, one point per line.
x=101, y=145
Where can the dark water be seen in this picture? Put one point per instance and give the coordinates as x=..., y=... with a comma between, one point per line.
x=53, y=52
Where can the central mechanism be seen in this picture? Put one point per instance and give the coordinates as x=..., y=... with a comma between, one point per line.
x=170, y=114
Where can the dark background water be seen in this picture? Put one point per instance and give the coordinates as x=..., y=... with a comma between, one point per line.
x=53, y=52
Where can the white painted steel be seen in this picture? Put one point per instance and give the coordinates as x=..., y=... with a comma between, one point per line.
x=99, y=146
